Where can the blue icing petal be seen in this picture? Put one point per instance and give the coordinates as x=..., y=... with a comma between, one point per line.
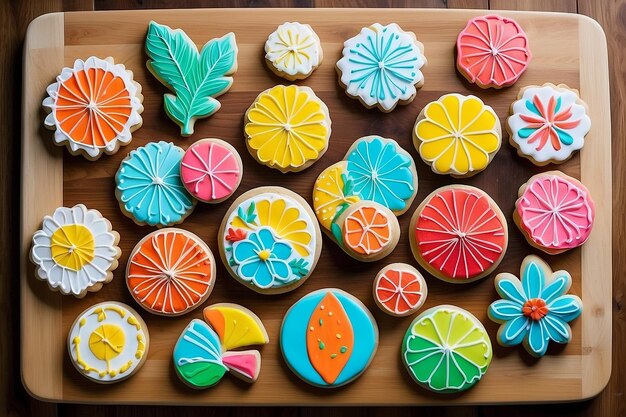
x=530, y=106
x=526, y=132
x=149, y=185
x=533, y=280
x=556, y=288
x=281, y=250
x=514, y=331
x=538, y=338
x=511, y=289
x=558, y=330
x=566, y=307
x=503, y=310
x=245, y=250
x=265, y=238
x=564, y=137
x=279, y=269
x=255, y=271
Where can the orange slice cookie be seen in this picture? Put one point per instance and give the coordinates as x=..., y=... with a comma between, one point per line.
x=94, y=107
x=400, y=290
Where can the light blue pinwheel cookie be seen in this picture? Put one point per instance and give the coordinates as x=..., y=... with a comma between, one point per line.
x=536, y=309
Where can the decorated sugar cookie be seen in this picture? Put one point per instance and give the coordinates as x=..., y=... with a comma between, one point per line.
x=170, y=272
x=75, y=251
x=94, y=107
x=457, y=135
x=203, y=355
x=108, y=342
x=328, y=338
x=548, y=123
x=446, y=349
x=149, y=186
x=399, y=290
x=211, y=170
x=195, y=78
x=458, y=234
x=293, y=51
x=536, y=309
x=554, y=212
x=269, y=240
x=287, y=128
x=381, y=66
x=492, y=51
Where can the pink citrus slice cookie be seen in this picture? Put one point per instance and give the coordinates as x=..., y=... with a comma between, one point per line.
x=399, y=290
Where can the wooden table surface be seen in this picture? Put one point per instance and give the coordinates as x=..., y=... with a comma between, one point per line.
x=14, y=18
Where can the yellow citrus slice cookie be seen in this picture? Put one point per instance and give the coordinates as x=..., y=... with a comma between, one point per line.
x=332, y=192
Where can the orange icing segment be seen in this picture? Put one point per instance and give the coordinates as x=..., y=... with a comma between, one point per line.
x=367, y=231
x=216, y=319
x=329, y=338
x=400, y=291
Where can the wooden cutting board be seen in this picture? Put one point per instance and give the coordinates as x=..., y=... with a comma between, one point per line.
x=566, y=48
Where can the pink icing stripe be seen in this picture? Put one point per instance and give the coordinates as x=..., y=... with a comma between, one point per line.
x=493, y=50
x=557, y=213
x=243, y=362
x=209, y=171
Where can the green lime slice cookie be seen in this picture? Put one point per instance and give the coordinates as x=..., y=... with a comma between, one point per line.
x=446, y=349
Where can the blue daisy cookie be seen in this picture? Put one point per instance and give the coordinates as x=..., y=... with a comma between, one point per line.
x=149, y=188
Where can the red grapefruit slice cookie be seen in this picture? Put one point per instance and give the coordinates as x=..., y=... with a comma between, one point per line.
x=94, y=107
x=400, y=290
x=170, y=272
x=458, y=234
x=555, y=212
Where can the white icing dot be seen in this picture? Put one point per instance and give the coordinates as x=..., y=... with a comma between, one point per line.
x=157, y=181
x=287, y=127
x=381, y=65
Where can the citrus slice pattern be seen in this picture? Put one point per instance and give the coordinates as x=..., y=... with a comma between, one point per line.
x=332, y=193
x=367, y=230
x=236, y=326
x=446, y=349
x=400, y=289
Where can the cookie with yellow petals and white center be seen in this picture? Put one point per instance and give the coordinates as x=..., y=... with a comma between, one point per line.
x=457, y=135
x=287, y=128
x=75, y=251
x=108, y=342
x=293, y=51
x=270, y=240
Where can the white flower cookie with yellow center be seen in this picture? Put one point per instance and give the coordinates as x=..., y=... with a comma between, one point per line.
x=293, y=51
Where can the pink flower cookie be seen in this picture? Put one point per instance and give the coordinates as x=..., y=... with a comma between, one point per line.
x=555, y=212
x=492, y=51
x=211, y=170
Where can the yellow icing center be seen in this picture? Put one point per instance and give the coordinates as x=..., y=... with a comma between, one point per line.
x=264, y=255
x=287, y=127
x=72, y=246
x=107, y=341
x=458, y=134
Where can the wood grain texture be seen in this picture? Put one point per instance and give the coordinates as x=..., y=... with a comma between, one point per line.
x=61, y=38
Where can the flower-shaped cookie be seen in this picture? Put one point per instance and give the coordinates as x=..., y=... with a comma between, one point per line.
x=457, y=135
x=535, y=310
x=293, y=51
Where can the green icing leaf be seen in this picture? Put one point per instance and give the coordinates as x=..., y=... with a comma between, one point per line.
x=348, y=185
x=194, y=78
x=336, y=231
x=248, y=216
x=202, y=374
x=299, y=267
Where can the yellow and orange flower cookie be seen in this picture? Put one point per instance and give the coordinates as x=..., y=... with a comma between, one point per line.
x=94, y=107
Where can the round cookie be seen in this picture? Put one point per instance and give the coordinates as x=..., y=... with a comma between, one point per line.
x=93, y=107
x=457, y=135
x=458, y=234
x=399, y=290
x=195, y=78
x=536, y=309
x=328, y=338
x=548, y=123
x=75, y=251
x=211, y=170
x=293, y=51
x=492, y=51
x=269, y=240
x=381, y=66
x=446, y=349
x=170, y=272
x=108, y=342
x=287, y=128
x=554, y=212
x=202, y=355
x=149, y=187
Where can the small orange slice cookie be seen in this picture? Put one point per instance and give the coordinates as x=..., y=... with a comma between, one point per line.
x=94, y=107
x=399, y=290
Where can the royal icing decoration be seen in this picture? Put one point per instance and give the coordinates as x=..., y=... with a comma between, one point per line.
x=400, y=290
x=108, y=342
x=446, y=349
x=75, y=251
x=492, y=51
x=460, y=233
x=367, y=231
x=333, y=192
x=293, y=49
x=149, y=186
x=202, y=353
x=556, y=212
x=170, y=272
x=211, y=170
x=457, y=135
x=195, y=78
x=535, y=310
x=548, y=123
x=381, y=66
x=287, y=127
x=270, y=240
x=94, y=106
x=328, y=338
